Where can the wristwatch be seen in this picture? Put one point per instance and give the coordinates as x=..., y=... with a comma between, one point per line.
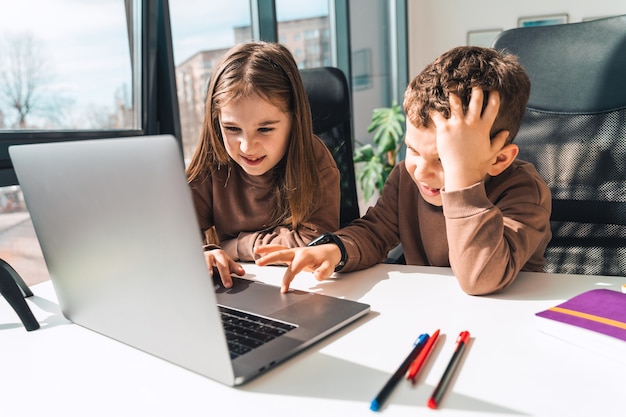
x=332, y=238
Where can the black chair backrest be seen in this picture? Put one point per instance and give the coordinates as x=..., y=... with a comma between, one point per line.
x=574, y=131
x=329, y=98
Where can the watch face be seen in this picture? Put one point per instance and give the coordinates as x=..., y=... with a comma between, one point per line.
x=321, y=240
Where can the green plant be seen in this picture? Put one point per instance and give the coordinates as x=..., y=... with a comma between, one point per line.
x=380, y=158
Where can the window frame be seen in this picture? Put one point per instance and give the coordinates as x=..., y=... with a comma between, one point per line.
x=159, y=105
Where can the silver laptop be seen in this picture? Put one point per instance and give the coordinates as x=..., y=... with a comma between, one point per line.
x=120, y=237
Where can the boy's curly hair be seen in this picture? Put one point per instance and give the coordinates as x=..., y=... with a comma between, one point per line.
x=460, y=69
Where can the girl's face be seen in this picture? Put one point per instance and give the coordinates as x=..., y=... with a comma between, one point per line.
x=256, y=133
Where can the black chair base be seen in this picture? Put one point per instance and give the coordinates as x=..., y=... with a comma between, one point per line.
x=14, y=290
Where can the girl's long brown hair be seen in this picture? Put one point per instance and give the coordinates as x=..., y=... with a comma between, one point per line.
x=268, y=70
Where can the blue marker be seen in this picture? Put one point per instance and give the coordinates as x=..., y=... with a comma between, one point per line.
x=399, y=374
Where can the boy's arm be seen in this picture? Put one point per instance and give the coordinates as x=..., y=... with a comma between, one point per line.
x=320, y=260
x=369, y=239
x=489, y=244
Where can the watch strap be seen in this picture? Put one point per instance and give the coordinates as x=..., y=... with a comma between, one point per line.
x=332, y=238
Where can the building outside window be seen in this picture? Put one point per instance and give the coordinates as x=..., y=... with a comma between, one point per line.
x=308, y=39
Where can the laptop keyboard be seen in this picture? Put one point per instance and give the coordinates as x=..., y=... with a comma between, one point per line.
x=245, y=331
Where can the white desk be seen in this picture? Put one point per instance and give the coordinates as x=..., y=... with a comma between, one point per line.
x=510, y=369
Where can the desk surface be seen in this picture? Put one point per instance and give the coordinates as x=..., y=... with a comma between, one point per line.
x=509, y=368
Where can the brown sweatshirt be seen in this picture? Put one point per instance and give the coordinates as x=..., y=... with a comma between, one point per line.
x=240, y=206
x=487, y=232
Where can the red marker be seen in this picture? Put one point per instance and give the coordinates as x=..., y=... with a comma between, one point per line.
x=421, y=358
x=461, y=343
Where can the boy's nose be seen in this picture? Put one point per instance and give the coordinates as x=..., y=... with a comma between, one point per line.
x=424, y=171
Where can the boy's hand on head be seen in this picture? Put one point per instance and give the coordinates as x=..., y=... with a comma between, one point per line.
x=218, y=260
x=320, y=260
x=464, y=145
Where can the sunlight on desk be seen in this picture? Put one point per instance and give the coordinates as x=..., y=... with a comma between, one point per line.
x=509, y=368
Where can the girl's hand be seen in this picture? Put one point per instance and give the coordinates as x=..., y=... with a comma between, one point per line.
x=219, y=262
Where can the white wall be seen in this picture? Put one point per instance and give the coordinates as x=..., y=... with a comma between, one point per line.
x=438, y=25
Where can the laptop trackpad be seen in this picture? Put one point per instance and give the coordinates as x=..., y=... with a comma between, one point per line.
x=257, y=297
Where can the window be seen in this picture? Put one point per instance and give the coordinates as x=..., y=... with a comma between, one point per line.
x=76, y=70
x=312, y=34
x=202, y=32
x=65, y=72
x=107, y=72
x=302, y=23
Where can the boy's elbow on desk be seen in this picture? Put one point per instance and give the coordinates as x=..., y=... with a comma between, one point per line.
x=481, y=285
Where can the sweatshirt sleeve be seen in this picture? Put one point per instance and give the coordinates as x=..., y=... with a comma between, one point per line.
x=490, y=243
x=369, y=239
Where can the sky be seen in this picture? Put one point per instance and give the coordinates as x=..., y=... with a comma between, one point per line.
x=85, y=43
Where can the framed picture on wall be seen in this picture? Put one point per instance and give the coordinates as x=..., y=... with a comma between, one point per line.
x=555, y=19
x=362, y=69
x=587, y=19
x=482, y=37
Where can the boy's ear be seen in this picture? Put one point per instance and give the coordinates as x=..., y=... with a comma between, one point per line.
x=504, y=157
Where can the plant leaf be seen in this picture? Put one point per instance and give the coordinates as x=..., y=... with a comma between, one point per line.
x=369, y=176
x=364, y=153
x=379, y=158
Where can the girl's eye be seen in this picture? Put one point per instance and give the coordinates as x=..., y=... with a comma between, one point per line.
x=266, y=129
x=231, y=128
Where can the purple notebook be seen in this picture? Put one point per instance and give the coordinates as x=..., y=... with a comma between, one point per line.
x=601, y=310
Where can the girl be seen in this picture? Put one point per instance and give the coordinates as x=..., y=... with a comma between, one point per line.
x=259, y=175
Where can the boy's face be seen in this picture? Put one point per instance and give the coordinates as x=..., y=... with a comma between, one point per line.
x=422, y=161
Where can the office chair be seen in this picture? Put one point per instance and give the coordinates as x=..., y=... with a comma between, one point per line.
x=329, y=98
x=574, y=132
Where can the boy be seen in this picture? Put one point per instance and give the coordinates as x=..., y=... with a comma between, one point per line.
x=460, y=198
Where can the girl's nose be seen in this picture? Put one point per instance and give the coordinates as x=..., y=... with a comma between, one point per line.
x=246, y=143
